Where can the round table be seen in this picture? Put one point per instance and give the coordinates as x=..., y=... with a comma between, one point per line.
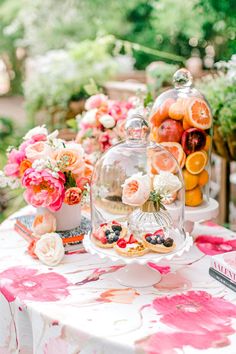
x=78, y=307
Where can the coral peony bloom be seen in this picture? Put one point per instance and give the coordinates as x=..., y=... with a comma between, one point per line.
x=71, y=159
x=136, y=189
x=25, y=164
x=12, y=168
x=44, y=190
x=38, y=150
x=49, y=249
x=96, y=101
x=73, y=196
x=44, y=223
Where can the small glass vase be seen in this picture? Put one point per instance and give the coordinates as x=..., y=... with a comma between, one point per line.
x=148, y=219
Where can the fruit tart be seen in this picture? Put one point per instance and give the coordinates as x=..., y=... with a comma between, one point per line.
x=157, y=242
x=108, y=234
x=130, y=248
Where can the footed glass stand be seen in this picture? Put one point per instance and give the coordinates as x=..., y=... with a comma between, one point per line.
x=136, y=272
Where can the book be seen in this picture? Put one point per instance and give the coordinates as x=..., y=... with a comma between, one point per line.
x=222, y=279
x=72, y=239
x=225, y=263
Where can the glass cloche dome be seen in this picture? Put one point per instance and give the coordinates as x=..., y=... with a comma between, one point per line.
x=181, y=121
x=137, y=194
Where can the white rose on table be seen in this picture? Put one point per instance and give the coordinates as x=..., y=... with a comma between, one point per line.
x=40, y=130
x=136, y=189
x=107, y=121
x=166, y=183
x=49, y=249
x=90, y=117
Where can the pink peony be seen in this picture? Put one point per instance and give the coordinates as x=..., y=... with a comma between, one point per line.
x=12, y=167
x=96, y=101
x=44, y=190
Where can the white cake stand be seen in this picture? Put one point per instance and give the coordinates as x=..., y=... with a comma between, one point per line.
x=137, y=273
x=206, y=211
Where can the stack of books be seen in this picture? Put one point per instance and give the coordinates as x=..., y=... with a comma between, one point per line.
x=72, y=239
x=223, y=269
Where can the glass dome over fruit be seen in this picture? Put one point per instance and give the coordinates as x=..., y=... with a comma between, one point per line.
x=137, y=196
x=181, y=121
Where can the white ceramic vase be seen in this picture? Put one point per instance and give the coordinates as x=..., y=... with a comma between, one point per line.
x=68, y=217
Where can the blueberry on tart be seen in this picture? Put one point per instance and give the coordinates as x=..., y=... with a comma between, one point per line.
x=157, y=242
x=107, y=235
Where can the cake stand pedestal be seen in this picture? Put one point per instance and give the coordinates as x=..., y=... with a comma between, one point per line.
x=204, y=212
x=136, y=272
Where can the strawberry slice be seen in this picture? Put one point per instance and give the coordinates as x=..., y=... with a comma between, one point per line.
x=115, y=222
x=121, y=243
x=132, y=239
x=149, y=234
x=105, y=224
x=159, y=232
x=103, y=240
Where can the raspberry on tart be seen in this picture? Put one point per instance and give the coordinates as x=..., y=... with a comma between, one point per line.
x=108, y=234
x=157, y=242
x=130, y=248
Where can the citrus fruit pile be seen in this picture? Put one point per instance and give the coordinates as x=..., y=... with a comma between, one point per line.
x=182, y=126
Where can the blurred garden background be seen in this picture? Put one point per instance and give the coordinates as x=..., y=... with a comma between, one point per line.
x=56, y=53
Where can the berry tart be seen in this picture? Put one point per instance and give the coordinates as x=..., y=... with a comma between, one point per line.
x=108, y=234
x=130, y=248
x=157, y=242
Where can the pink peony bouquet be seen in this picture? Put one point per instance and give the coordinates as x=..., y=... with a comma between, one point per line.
x=102, y=124
x=50, y=170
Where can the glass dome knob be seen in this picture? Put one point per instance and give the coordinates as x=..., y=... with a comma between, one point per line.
x=136, y=128
x=182, y=78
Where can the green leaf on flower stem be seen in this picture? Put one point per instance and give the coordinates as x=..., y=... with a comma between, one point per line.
x=70, y=181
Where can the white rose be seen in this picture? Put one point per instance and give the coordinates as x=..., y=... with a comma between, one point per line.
x=166, y=183
x=41, y=130
x=39, y=150
x=90, y=117
x=107, y=121
x=49, y=249
x=136, y=189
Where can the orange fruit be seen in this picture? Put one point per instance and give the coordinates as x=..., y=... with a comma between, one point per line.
x=177, y=109
x=196, y=162
x=162, y=112
x=190, y=180
x=183, y=161
x=154, y=134
x=186, y=125
x=193, y=197
x=161, y=161
x=203, y=178
x=208, y=143
x=198, y=114
x=175, y=149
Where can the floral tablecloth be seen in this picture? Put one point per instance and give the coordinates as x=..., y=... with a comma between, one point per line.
x=78, y=307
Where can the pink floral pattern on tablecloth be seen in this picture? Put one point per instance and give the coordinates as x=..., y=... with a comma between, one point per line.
x=198, y=319
x=28, y=284
x=212, y=245
x=122, y=296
